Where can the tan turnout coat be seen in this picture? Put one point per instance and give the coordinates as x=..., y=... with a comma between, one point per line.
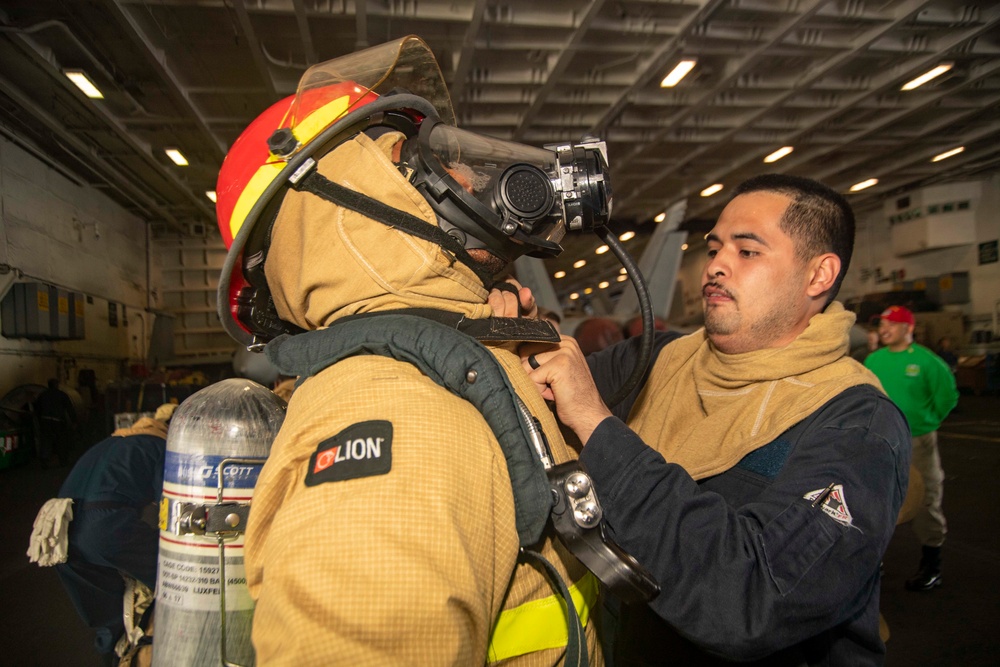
x=411, y=567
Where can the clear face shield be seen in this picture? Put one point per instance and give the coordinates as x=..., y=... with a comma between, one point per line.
x=508, y=198
x=333, y=89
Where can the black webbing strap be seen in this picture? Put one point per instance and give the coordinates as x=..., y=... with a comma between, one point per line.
x=319, y=185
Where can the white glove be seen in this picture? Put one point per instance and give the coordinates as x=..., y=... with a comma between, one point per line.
x=49, y=542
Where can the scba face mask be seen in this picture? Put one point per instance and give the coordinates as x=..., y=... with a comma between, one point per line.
x=508, y=198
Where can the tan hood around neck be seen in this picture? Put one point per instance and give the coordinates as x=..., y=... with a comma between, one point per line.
x=706, y=410
x=326, y=262
x=144, y=426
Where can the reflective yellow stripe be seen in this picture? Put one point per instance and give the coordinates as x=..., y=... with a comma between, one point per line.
x=541, y=624
x=262, y=178
x=305, y=131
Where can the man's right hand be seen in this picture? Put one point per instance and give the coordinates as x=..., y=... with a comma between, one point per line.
x=562, y=375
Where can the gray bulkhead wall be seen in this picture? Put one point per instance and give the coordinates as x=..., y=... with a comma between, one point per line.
x=63, y=232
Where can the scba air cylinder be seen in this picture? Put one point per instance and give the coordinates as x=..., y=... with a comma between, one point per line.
x=227, y=426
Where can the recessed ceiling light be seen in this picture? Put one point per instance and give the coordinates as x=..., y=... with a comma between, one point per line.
x=660, y=217
x=778, y=154
x=621, y=279
x=927, y=76
x=83, y=82
x=679, y=71
x=684, y=246
x=559, y=274
x=864, y=184
x=601, y=250
x=711, y=190
x=210, y=194
x=626, y=236
x=176, y=156
x=948, y=154
x=589, y=290
x=579, y=264
x=574, y=296
x=603, y=284
x=623, y=271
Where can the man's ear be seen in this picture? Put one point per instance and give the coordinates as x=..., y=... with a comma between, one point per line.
x=823, y=274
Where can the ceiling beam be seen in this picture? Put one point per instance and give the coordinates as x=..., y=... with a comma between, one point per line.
x=556, y=71
x=86, y=156
x=175, y=86
x=465, y=56
x=253, y=44
x=884, y=80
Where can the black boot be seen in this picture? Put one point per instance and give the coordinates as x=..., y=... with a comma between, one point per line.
x=929, y=576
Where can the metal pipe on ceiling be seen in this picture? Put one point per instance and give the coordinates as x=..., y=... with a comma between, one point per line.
x=85, y=154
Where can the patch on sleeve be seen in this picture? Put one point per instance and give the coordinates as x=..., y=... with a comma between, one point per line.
x=360, y=450
x=832, y=500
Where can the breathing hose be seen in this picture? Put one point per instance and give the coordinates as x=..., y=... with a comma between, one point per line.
x=645, y=309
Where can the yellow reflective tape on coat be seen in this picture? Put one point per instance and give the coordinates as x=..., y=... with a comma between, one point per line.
x=540, y=624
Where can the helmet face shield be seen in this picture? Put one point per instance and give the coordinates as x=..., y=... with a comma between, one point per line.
x=332, y=89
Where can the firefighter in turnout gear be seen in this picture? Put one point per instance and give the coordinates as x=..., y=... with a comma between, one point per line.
x=388, y=520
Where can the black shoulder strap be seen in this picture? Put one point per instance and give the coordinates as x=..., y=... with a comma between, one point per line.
x=373, y=209
x=453, y=360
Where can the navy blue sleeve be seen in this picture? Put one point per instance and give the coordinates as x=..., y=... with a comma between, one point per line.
x=745, y=580
x=136, y=468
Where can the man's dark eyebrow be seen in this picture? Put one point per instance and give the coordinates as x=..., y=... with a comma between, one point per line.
x=749, y=236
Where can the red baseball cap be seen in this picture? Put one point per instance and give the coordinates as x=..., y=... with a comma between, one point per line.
x=898, y=314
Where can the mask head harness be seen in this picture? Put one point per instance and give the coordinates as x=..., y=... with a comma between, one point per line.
x=508, y=198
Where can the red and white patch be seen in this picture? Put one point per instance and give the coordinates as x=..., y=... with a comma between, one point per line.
x=325, y=459
x=834, y=504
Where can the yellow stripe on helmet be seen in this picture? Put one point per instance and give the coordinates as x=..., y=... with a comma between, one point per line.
x=304, y=132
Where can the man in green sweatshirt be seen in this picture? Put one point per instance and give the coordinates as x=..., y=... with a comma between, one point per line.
x=922, y=385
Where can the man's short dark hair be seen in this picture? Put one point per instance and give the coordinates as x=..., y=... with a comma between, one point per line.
x=818, y=220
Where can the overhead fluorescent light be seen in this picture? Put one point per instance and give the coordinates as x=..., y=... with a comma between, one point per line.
x=559, y=274
x=711, y=190
x=210, y=194
x=603, y=284
x=601, y=250
x=778, y=154
x=679, y=71
x=660, y=217
x=623, y=271
x=574, y=296
x=589, y=290
x=947, y=154
x=684, y=246
x=579, y=264
x=626, y=236
x=927, y=76
x=621, y=279
x=83, y=82
x=864, y=184
x=176, y=156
